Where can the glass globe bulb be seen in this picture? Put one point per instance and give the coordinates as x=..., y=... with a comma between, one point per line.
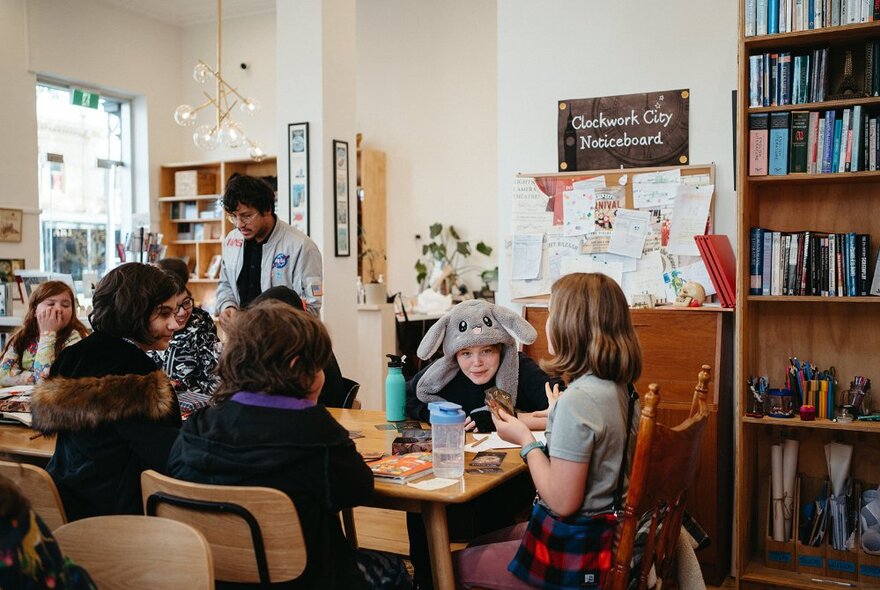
x=256, y=152
x=185, y=115
x=249, y=106
x=232, y=134
x=206, y=137
x=201, y=73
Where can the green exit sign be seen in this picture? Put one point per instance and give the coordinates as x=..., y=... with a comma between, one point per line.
x=84, y=98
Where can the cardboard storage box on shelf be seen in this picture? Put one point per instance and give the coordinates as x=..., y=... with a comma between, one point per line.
x=869, y=564
x=810, y=559
x=777, y=554
x=842, y=564
x=194, y=182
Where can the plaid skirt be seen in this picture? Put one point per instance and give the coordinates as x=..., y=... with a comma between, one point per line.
x=557, y=554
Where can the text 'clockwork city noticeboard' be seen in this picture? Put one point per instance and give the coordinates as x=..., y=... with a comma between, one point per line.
x=626, y=131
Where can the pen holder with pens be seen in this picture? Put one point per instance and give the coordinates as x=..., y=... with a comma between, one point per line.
x=780, y=403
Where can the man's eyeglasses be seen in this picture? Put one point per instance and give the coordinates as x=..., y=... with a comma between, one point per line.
x=185, y=305
x=244, y=218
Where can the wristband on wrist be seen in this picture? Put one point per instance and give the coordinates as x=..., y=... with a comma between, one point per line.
x=528, y=448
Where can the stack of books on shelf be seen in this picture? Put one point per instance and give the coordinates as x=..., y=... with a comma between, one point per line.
x=777, y=79
x=769, y=17
x=813, y=142
x=808, y=263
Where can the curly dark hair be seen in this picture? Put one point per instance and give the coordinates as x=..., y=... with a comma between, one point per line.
x=178, y=268
x=249, y=191
x=126, y=298
x=261, y=344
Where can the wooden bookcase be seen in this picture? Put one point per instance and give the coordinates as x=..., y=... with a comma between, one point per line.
x=194, y=226
x=843, y=332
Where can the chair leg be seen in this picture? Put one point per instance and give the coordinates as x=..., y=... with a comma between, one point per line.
x=350, y=530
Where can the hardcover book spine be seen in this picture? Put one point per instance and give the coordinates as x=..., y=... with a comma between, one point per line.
x=776, y=279
x=772, y=17
x=767, y=263
x=856, y=145
x=758, y=143
x=812, y=142
x=779, y=124
x=828, y=147
x=761, y=17
x=750, y=18
x=756, y=263
x=800, y=121
x=835, y=154
x=755, y=63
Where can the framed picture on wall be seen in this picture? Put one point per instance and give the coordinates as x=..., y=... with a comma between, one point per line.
x=298, y=175
x=10, y=225
x=340, y=198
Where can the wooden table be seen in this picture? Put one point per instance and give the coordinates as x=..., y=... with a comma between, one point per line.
x=17, y=441
x=431, y=504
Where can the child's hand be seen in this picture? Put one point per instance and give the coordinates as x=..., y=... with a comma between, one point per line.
x=50, y=320
x=511, y=428
x=552, y=395
x=469, y=424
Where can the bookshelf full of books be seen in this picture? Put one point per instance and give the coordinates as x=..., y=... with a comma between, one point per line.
x=808, y=318
x=192, y=220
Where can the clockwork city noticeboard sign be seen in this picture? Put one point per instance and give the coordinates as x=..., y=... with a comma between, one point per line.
x=626, y=131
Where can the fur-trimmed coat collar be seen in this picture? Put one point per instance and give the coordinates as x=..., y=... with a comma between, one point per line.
x=74, y=404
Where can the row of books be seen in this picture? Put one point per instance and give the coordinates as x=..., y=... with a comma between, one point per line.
x=808, y=263
x=813, y=142
x=768, y=17
x=777, y=79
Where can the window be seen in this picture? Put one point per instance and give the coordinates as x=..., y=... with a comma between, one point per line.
x=84, y=180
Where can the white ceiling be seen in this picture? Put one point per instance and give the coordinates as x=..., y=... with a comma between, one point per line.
x=192, y=12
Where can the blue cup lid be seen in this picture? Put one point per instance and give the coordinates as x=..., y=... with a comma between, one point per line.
x=446, y=413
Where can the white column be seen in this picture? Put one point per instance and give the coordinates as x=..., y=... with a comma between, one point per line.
x=316, y=84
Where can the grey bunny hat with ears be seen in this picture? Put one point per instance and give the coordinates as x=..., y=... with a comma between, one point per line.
x=473, y=323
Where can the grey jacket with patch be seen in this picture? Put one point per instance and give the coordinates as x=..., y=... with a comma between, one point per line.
x=290, y=259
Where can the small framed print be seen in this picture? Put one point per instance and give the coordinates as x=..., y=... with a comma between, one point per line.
x=10, y=225
x=298, y=175
x=340, y=198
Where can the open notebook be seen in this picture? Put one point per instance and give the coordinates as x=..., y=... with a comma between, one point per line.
x=15, y=404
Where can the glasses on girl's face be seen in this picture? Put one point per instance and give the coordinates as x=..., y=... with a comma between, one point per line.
x=185, y=305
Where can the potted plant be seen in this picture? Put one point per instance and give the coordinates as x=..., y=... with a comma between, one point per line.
x=369, y=258
x=443, y=257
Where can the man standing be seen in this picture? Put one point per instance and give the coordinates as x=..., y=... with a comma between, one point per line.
x=263, y=251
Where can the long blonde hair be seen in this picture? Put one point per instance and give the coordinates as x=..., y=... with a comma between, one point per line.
x=29, y=331
x=591, y=331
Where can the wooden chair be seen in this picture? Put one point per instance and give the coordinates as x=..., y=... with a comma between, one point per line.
x=37, y=486
x=138, y=553
x=254, y=532
x=664, y=467
x=351, y=387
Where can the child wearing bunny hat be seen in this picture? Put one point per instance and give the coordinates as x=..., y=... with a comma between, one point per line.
x=479, y=351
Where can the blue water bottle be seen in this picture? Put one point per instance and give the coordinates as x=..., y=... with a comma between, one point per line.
x=395, y=390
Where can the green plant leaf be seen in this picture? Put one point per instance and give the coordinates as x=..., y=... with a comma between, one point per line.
x=454, y=233
x=436, y=229
x=463, y=248
x=421, y=271
x=484, y=248
x=425, y=249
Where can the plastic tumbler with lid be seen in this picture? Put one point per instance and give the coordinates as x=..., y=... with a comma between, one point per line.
x=447, y=424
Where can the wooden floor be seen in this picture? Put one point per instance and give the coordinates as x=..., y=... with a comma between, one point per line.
x=385, y=530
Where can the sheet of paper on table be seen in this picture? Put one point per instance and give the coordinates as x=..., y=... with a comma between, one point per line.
x=485, y=442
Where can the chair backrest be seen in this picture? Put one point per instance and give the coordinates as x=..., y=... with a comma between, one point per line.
x=37, y=486
x=138, y=552
x=351, y=387
x=254, y=532
x=664, y=467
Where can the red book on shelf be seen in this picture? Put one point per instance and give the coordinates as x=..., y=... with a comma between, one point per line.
x=712, y=269
x=719, y=253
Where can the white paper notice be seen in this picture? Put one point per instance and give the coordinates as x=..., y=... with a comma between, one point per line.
x=558, y=247
x=527, y=256
x=589, y=183
x=578, y=211
x=526, y=288
x=529, y=207
x=689, y=216
x=696, y=273
x=673, y=175
x=647, y=278
x=629, y=233
x=648, y=195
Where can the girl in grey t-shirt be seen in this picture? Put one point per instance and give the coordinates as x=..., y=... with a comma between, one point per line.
x=596, y=352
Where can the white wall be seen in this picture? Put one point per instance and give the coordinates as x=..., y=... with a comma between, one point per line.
x=246, y=39
x=426, y=95
x=576, y=49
